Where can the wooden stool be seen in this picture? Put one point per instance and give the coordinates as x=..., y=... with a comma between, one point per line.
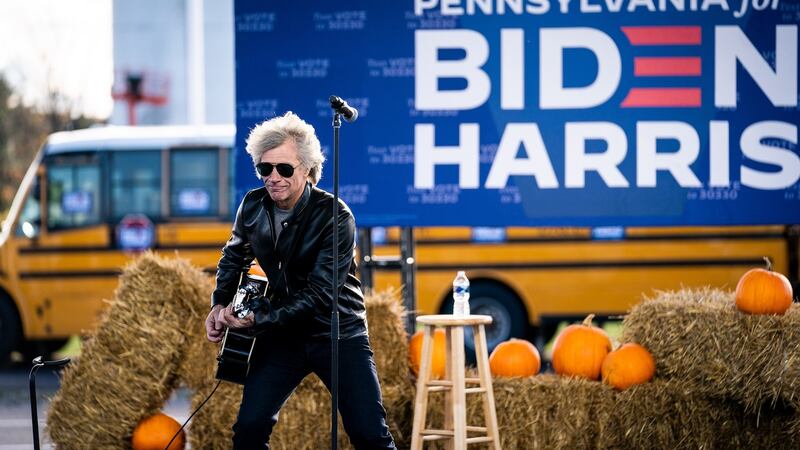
x=454, y=384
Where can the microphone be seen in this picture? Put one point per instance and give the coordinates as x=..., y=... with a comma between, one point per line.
x=340, y=106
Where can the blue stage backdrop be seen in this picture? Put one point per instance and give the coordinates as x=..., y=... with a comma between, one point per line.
x=537, y=112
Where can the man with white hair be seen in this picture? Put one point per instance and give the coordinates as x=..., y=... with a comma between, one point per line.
x=288, y=226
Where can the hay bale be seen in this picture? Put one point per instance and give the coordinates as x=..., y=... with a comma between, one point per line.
x=794, y=425
x=541, y=412
x=305, y=419
x=545, y=412
x=198, y=367
x=210, y=428
x=389, y=341
x=554, y=412
x=388, y=337
x=699, y=338
x=668, y=414
x=128, y=367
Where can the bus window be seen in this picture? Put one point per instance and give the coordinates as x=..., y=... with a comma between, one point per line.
x=194, y=182
x=73, y=194
x=30, y=218
x=136, y=184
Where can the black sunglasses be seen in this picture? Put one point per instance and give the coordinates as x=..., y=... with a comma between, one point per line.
x=285, y=170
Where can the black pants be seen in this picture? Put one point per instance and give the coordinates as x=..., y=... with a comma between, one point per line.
x=278, y=365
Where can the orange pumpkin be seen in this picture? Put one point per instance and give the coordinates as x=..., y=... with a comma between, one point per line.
x=255, y=269
x=515, y=358
x=439, y=353
x=155, y=432
x=762, y=291
x=628, y=365
x=580, y=349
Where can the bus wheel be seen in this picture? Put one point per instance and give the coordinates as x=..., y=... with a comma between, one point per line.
x=9, y=329
x=509, y=318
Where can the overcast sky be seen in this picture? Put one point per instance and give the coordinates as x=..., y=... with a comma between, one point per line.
x=68, y=42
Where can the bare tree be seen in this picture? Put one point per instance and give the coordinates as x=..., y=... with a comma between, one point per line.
x=22, y=131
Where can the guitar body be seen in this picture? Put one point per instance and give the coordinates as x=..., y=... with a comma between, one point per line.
x=233, y=359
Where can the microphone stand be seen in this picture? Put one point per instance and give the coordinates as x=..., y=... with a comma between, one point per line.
x=37, y=363
x=337, y=123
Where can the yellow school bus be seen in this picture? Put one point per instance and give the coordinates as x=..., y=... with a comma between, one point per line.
x=93, y=198
x=88, y=202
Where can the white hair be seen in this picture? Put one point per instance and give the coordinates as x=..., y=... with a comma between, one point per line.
x=271, y=133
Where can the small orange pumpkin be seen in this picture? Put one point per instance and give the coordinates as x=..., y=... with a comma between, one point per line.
x=255, y=269
x=515, y=358
x=580, y=349
x=155, y=432
x=438, y=358
x=628, y=365
x=762, y=291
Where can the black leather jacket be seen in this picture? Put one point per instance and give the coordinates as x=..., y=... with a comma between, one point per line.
x=302, y=305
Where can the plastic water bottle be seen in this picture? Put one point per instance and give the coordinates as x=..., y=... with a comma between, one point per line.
x=461, y=294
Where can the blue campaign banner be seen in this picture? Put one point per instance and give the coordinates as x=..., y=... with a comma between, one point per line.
x=537, y=112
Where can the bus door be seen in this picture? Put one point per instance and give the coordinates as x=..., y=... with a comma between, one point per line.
x=56, y=252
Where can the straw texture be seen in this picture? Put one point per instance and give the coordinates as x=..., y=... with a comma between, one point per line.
x=129, y=365
x=698, y=337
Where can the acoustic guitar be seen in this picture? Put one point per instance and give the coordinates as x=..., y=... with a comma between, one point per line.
x=233, y=359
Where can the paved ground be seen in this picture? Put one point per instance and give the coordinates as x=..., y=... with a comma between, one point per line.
x=15, y=407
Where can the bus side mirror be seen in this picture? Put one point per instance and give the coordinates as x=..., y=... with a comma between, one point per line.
x=30, y=230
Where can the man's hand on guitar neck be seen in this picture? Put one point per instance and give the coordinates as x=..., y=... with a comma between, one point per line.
x=220, y=317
